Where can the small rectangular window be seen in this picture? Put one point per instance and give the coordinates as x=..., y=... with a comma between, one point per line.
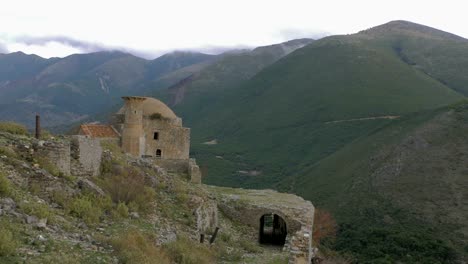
x=156, y=136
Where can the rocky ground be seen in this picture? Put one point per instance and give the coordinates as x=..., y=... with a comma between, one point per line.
x=135, y=212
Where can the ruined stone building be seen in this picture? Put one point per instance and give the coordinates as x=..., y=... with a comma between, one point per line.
x=150, y=129
x=146, y=128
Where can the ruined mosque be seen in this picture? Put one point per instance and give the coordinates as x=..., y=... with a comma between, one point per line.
x=147, y=128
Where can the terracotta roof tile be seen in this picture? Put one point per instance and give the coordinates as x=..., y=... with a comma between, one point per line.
x=98, y=131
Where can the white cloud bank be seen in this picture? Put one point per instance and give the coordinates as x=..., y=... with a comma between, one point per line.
x=58, y=28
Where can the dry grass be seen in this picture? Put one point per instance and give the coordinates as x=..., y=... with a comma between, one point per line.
x=185, y=251
x=129, y=186
x=133, y=247
x=13, y=128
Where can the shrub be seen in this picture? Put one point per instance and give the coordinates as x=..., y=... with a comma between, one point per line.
x=5, y=188
x=135, y=247
x=8, y=152
x=60, y=197
x=85, y=207
x=129, y=186
x=185, y=251
x=155, y=116
x=324, y=226
x=121, y=210
x=37, y=209
x=47, y=165
x=13, y=128
x=250, y=247
x=7, y=242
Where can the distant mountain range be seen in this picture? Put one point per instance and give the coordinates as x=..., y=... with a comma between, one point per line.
x=78, y=86
x=370, y=126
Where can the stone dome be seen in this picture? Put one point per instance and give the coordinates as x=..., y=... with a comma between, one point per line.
x=151, y=106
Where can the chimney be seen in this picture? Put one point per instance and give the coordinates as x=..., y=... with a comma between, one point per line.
x=38, y=126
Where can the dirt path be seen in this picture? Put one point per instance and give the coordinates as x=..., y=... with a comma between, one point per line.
x=362, y=119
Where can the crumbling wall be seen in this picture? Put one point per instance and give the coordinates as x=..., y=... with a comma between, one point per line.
x=57, y=152
x=207, y=216
x=194, y=172
x=248, y=207
x=173, y=165
x=86, y=156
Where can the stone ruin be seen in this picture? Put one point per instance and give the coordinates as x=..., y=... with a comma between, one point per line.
x=281, y=219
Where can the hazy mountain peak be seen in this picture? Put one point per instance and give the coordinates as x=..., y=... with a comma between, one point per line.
x=407, y=28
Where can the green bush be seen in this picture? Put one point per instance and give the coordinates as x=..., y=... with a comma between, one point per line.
x=47, y=165
x=250, y=246
x=8, y=152
x=133, y=247
x=8, y=243
x=86, y=208
x=121, y=211
x=13, y=128
x=37, y=209
x=130, y=187
x=5, y=188
x=185, y=251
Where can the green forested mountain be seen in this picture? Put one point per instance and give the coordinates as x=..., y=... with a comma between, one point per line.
x=286, y=116
x=198, y=90
x=358, y=124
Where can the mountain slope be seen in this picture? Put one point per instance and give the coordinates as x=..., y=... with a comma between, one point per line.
x=202, y=88
x=408, y=177
x=279, y=120
x=439, y=54
x=359, y=125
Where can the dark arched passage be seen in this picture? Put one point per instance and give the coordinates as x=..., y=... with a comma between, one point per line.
x=273, y=230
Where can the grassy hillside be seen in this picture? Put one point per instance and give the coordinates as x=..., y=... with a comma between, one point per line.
x=283, y=118
x=439, y=54
x=227, y=72
x=407, y=180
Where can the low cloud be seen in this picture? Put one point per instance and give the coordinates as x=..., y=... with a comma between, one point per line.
x=3, y=48
x=294, y=33
x=88, y=47
x=84, y=46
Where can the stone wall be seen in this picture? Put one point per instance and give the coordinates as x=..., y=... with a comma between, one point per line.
x=57, y=152
x=173, y=165
x=86, y=156
x=248, y=206
x=207, y=217
x=194, y=172
x=173, y=141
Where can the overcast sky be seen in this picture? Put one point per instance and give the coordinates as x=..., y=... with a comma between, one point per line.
x=149, y=28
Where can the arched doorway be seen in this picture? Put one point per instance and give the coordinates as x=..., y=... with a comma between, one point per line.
x=273, y=230
x=158, y=153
